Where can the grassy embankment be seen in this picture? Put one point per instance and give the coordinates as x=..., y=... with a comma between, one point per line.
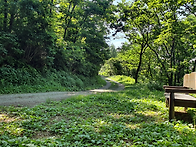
x=136, y=116
x=29, y=80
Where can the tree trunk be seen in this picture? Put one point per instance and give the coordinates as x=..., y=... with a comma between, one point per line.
x=11, y=22
x=138, y=69
x=69, y=21
x=172, y=63
x=140, y=63
x=51, y=5
x=162, y=63
x=194, y=67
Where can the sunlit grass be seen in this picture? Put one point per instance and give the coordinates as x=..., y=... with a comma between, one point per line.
x=135, y=116
x=123, y=79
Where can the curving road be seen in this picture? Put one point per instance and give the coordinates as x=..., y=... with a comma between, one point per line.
x=32, y=99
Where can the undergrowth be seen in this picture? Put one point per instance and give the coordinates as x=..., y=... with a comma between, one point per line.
x=136, y=116
x=28, y=80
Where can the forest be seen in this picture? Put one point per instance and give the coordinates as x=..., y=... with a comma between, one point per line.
x=161, y=41
x=56, y=43
x=64, y=45
x=66, y=40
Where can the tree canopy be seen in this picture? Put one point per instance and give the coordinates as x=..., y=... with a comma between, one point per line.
x=65, y=35
x=164, y=30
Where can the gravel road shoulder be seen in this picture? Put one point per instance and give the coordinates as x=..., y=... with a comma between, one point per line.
x=32, y=99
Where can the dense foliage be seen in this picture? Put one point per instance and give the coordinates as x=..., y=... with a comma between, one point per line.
x=41, y=36
x=135, y=117
x=29, y=80
x=161, y=40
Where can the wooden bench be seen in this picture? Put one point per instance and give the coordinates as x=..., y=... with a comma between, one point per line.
x=179, y=95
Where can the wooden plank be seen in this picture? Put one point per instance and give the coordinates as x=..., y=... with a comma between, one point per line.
x=182, y=100
x=192, y=81
x=177, y=90
x=180, y=87
x=171, y=107
x=189, y=104
x=181, y=96
x=186, y=80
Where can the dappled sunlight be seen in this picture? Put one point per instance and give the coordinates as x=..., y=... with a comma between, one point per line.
x=182, y=128
x=179, y=109
x=103, y=90
x=129, y=124
x=118, y=116
x=156, y=116
x=123, y=79
x=14, y=129
x=99, y=125
x=7, y=124
x=133, y=125
x=149, y=104
x=6, y=118
x=150, y=113
x=44, y=135
x=100, y=122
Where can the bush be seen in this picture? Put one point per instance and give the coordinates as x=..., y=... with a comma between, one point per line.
x=155, y=86
x=114, y=66
x=21, y=76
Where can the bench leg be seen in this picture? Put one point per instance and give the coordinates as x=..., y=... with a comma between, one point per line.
x=171, y=107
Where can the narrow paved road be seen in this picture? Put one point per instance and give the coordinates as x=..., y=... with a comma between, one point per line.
x=32, y=99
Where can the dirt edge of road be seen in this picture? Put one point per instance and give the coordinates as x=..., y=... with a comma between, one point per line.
x=32, y=99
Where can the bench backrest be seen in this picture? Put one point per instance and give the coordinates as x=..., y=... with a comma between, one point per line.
x=189, y=80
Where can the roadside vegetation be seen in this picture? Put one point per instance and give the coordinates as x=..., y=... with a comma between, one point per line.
x=29, y=80
x=136, y=116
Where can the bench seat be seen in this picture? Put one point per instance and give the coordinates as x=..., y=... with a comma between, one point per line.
x=179, y=95
x=181, y=100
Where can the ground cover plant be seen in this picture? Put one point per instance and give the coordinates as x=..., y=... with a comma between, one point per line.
x=136, y=116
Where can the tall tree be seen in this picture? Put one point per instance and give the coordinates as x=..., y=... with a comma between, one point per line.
x=137, y=27
x=157, y=25
x=84, y=26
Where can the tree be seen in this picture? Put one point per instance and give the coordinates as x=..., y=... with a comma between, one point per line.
x=136, y=26
x=113, y=52
x=66, y=35
x=157, y=25
x=84, y=27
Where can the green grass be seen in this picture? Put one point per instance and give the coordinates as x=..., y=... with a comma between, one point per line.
x=113, y=85
x=136, y=116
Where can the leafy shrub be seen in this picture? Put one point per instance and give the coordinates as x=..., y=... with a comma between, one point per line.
x=21, y=76
x=155, y=86
x=79, y=83
x=123, y=79
x=9, y=49
x=114, y=66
